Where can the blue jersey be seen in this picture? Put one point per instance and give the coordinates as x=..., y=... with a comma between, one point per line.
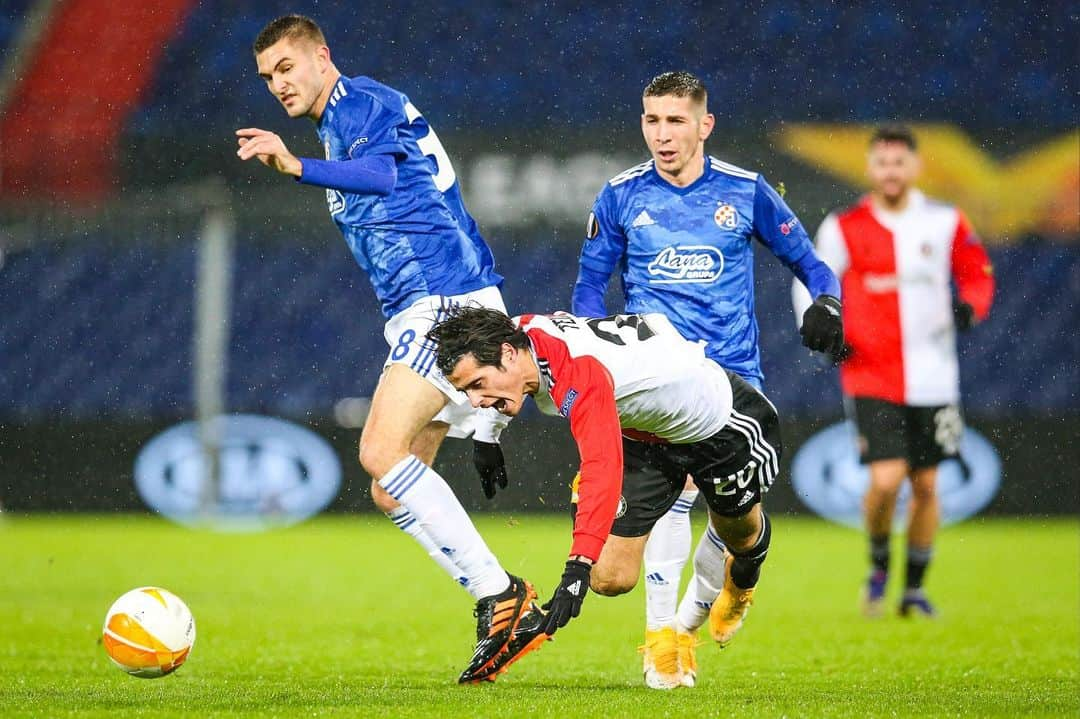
x=686, y=252
x=419, y=240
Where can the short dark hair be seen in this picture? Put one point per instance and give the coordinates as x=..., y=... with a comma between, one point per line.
x=288, y=26
x=478, y=331
x=894, y=133
x=679, y=84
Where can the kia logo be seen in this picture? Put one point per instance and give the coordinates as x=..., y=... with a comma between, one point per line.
x=270, y=473
x=828, y=478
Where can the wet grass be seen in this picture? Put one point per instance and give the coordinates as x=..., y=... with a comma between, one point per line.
x=343, y=616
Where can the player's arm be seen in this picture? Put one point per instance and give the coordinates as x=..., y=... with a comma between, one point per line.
x=973, y=274
x=587, y=398
x=604, y=247
x=779, y=229
x=365, y=126
x=830, y=249
x=368, y=174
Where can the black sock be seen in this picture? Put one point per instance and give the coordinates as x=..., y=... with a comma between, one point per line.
x=746, y=566
x=918, y=559
x=879, y=552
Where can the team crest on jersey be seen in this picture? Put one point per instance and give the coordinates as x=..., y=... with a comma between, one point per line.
x=621, y=509
x=686, y=263
x=726, y=215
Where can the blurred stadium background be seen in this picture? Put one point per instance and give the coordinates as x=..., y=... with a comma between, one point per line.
x=116, y=145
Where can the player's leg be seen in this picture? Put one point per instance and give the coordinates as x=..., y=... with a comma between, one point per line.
x=922, y=528
x=651, y=486
x=738, y=465
x=617, y=569
x=666, y=554
x=402, y=407
x=935, y=434
x=882, y=428
x=424, y=446
x=747, y=539
x=879, y=506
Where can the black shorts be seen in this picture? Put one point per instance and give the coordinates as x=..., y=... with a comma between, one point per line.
x=733, y=469
x=923, y=436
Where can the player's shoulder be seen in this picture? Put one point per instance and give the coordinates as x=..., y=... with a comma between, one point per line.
x=364, y=92
x=548, y=323
x=728, y=171
x=631, y=175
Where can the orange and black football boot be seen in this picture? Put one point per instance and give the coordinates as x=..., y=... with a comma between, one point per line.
x=497, y=617
x=526, y=638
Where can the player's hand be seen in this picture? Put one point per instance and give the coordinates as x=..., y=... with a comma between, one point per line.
x=565, y=604
x=963, y=315
x=269, y=149
x=822, y=329
x=489, y=462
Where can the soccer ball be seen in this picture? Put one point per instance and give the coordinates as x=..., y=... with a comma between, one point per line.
x=148, y=632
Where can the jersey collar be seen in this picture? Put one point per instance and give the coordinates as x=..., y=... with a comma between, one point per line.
x=689, y=188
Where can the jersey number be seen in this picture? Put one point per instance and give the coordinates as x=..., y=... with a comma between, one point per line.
x=431, y=147
x=610, y=328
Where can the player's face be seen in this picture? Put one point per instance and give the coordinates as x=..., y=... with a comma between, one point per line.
x=892, y=168
x=503, y=388
x=296, y=73
x=675, y=130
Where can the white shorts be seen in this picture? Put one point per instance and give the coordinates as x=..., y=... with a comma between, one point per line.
x=406, y=333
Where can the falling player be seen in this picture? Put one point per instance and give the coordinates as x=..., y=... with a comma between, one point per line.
x=633, y=381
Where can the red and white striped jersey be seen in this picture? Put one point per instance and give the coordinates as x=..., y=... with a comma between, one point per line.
x=627, y=374
x=895, y=270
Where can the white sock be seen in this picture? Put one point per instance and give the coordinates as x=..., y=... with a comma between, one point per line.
x=441, y=517
x=666, y=553
x=407, y=523
x=706, y=583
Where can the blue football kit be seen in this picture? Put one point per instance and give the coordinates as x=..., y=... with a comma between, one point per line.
x=686, y=252
x=404, y=221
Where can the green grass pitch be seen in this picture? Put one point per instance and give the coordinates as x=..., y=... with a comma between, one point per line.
x=344, y=616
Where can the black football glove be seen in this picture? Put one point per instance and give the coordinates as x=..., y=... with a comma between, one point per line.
x=565, y=604
x=822, y=329
x=963, y=315
x=489, y=462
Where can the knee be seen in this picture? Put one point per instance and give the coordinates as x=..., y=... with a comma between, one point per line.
x=738, y=533
x=382, y=499
x=378, y=459
x=609, y=583
x=887, y=476
x=923, y=492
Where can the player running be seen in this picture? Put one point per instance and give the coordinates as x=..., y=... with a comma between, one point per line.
x=680, y=228
x=896, y=252
x=393, y=193
x=631, y=384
